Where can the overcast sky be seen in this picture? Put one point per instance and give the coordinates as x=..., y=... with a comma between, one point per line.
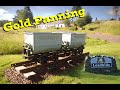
x=101, y=12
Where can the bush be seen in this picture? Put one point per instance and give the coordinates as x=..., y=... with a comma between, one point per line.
x=73, y=28
x=57, y=28
x=88, y=18
x=91, y=29
x=83, y=21
x=80, y=22
x=67, y=22
x=112, y=19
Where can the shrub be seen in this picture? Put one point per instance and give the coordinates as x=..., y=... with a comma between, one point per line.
x=91, y=29
x=80, y=22
x=67, y=22
x=73, y=28
x=57, y=28
x=88, y=18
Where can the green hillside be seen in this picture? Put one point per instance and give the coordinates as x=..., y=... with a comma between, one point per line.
x=109, y=27
x=11, y=47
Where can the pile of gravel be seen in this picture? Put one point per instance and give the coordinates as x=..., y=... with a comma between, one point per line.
x=16, y=78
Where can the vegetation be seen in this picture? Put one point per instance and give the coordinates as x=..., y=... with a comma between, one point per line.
x=97, y=21
x=11, y=42
x=2, y=22
x=88, y=18
x=11, y=49
x=23, y=14
x=116, y=10
x=67, y=22
x=77, y=75
x=83, y=21
x=75, y=8
x=80, y=22
x=109, y=27
x=73, y=28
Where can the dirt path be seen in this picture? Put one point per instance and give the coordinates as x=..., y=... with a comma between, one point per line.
x=107, y=37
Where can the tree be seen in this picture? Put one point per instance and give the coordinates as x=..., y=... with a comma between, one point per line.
x=112, y=19
x=28, y=13
x=23, y=14
x=88, y=18
x=75, y=8
x=67, y=22
x=16, y=18
x=96, y=19
x=116, y=9
x=80, y=22
x=83, y=21
x=2, y=22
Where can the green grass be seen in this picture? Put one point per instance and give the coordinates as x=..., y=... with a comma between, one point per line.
x=109, y=27
x=5, y=62
x=77, y=75
x=11, y=48
x=11, y=42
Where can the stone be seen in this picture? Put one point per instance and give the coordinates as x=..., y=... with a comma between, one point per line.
x=100, y=64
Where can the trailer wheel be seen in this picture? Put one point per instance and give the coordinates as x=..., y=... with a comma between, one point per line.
x=33, y=58
x=80, y=51
x=43, y=59
x=55, y=56
x=74, y=52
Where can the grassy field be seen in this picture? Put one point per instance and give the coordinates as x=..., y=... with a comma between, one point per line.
x=108, y=27
x=77, y=75
x=11, y=42
x=11, y=48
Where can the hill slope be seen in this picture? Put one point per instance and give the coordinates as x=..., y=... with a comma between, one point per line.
x=109, y=27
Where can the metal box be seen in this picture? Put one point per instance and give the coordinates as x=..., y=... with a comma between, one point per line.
x=43, y=42
x=74, y=39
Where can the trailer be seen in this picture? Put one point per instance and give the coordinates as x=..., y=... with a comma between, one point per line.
x=47, y=54
x=43, y=46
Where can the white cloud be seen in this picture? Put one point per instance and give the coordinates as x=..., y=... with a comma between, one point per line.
x=5, y=15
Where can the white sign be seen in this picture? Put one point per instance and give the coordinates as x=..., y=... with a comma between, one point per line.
x=101, y=62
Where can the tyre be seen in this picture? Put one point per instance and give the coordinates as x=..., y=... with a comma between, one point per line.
x=43, y=59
